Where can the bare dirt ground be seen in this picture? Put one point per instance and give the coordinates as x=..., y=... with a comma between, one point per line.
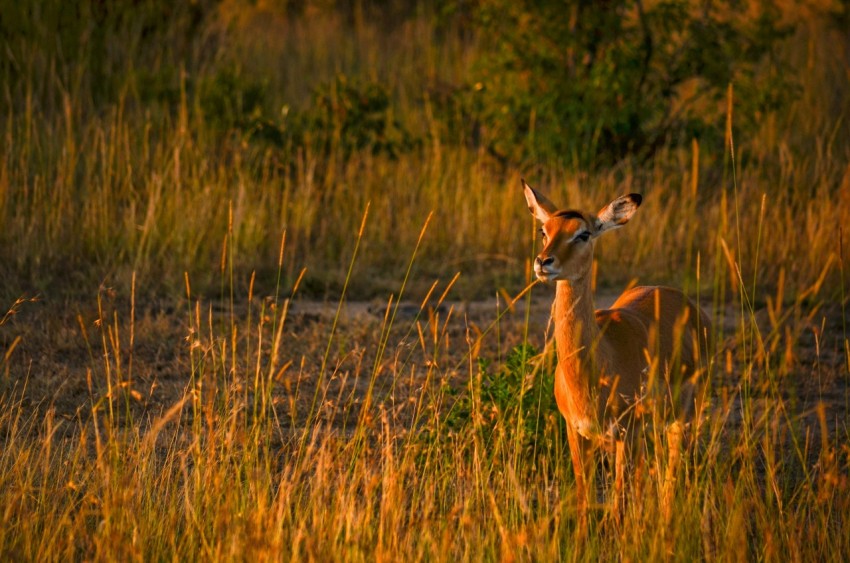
x=61, y=351
x=67, y=356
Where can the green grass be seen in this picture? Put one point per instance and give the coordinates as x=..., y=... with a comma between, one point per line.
x=166, y=391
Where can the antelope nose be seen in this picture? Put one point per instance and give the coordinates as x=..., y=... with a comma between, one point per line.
x=544, y=261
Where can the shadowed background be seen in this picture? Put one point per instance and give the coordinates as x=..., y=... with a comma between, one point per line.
x=136, y=135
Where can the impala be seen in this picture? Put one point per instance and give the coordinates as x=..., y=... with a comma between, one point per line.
x=643, y=353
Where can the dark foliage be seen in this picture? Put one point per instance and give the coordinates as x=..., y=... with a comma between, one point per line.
x=590, y=82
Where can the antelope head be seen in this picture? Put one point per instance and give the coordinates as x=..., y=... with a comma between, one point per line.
x=568, y=234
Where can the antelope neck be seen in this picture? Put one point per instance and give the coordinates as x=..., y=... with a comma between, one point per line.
x=575, y=326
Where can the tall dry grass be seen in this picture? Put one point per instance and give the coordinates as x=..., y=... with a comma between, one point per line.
x=343, y=461
x=91, y=193
x=353, y=457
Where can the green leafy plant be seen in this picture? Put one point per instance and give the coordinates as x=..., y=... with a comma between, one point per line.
x=590, y=82
x=345, y=116
x=350, y=115
x=228, y=99
x=516, y=398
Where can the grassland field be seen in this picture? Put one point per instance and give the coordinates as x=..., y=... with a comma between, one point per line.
x=214, y=354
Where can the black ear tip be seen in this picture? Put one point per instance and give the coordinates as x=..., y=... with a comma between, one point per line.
x=636, y=198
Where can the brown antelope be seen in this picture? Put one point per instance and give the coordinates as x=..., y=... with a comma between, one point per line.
x=644, y=352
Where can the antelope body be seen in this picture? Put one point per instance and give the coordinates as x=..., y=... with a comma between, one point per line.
x=644, y=352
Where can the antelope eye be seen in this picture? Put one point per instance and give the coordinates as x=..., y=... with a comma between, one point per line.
x=584, y=237
x=542, y=234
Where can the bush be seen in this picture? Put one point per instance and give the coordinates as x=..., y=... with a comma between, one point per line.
x=350, y=115
x=516, y=398
x=592, y=82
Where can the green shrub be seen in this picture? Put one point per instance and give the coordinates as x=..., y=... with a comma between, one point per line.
x=518, y=398
x=344, y=116
x=592, y=82
x=350, y=115
x=229, y=100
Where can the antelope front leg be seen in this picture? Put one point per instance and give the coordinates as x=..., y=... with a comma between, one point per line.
x=668, y=493
x=619, y=480
x=579, y=454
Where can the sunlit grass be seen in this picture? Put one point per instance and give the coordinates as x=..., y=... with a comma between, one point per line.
x=246, y=464
x=139, y=243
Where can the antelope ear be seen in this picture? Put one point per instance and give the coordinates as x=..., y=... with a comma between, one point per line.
x=617, y=213
x=539, y=206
